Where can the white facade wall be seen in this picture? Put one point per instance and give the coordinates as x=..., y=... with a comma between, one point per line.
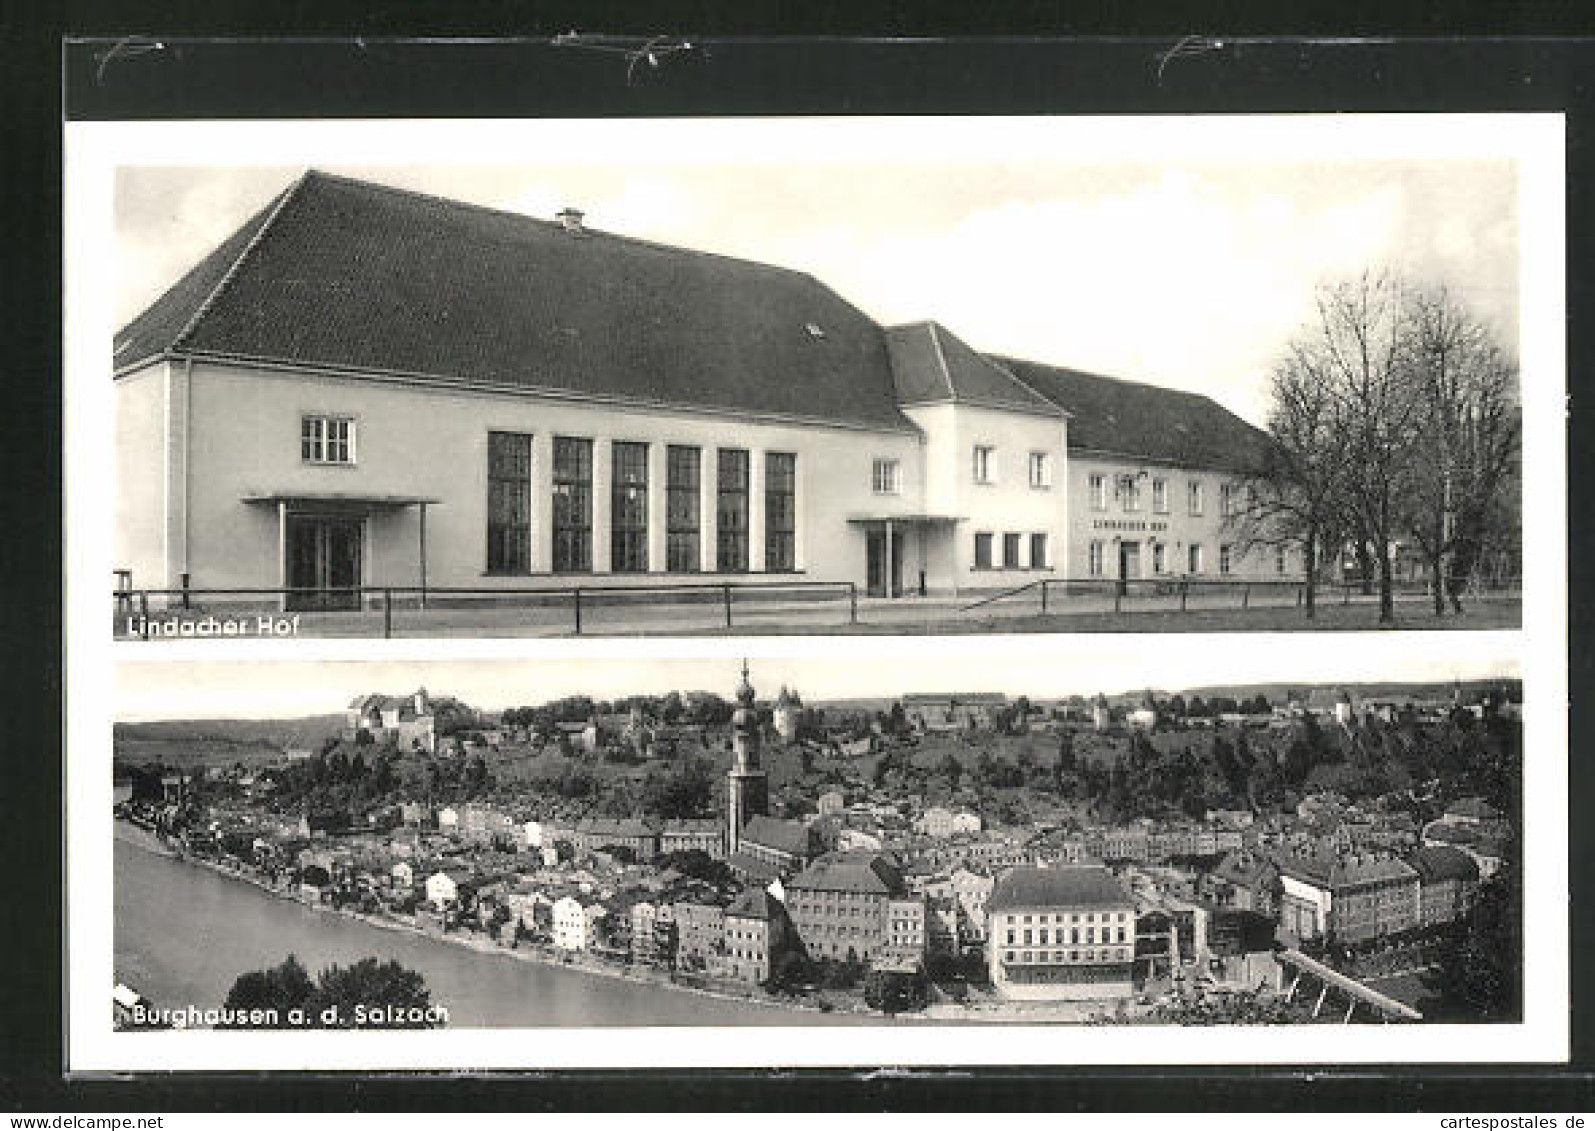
x=414, y=440
x=1007, y=504
x=142, y=475
x=1176, y=529
x=570, y=924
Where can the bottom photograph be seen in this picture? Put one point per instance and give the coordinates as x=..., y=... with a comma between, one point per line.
x=810, y=842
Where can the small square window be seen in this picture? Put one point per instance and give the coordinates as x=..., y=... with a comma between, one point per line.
x=886, y=477
x=326, y=439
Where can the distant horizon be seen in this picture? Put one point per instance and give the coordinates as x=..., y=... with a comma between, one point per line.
x=283, y=690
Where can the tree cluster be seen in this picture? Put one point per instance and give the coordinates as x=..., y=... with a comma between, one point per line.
x=367, y=994
x=1394, y=418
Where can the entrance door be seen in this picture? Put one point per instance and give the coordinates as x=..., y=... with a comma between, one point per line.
x=875, y=564
x=323, y=562
x=1129, y=561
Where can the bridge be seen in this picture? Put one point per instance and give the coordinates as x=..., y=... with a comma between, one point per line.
x=1352, y=990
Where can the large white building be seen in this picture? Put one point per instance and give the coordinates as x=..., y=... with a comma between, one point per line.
x=365, y=386
x=1065, y=933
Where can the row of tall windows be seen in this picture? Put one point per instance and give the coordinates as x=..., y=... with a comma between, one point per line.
x=1096, y=558
x=1013, y=548
x=509, y=507
x=1127, y=490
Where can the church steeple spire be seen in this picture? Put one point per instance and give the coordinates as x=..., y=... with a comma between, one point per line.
x=747, y=785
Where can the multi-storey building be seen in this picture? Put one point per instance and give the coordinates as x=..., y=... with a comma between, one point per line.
x=841, y=905
x=368, y=387
x=1448, y=880
x=1061, y=934
x=404, y=720
x=757, y=931
x=1353, y=897
x=700, y=934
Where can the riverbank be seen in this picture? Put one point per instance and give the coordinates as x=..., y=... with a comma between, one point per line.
x=537, y=956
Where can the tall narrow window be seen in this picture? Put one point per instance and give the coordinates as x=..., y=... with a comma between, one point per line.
x=780, y=512
x=1040, y=470
x=1038, y=551
x=628, y=508
x=1010, y=551
x=1160, y=496
x=1224, y=556
x=573, y=504
x=1194, y=553
x=731, y=511
x=683, y=503
x=985, y=464
x=1280, y=559
x=509, y=502
x=1099, y=492
x=1094, y=563
x=1130, y=492
x=1193, y=496
x=1227, y=500
x=1160, y=562
x=983, y=551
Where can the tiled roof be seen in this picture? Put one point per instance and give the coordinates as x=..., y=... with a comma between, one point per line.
x=351, y=276
x=791, y=837
x=755, y=903
x=1128, y=418
x=932, y=366
x=1442, y=862
x=1346, y=871
x=850, y=871
x=1073, y=886
x=1243, y=868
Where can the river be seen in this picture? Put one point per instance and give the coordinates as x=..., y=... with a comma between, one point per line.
x=184, y=933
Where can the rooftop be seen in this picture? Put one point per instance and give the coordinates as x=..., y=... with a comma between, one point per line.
x=850, y=871
x=362, y=278
x=1074, y=886
x=1112, y=416
x=375, y=282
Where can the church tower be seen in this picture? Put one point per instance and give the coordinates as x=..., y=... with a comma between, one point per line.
x=747, y=785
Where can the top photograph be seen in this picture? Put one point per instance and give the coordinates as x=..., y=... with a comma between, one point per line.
x=801, y=395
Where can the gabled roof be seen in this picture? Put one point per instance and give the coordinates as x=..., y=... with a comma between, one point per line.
x=361, y=278
x=931, y=366
x=850, y=871
x=1140, y=421
x=755, y=903
x=790, y=837
x=1351, y=870
x=1070, y=886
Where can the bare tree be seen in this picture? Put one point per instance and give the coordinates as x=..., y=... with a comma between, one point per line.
x=1295, y=497
x=1343, y=423
x=1466, y=448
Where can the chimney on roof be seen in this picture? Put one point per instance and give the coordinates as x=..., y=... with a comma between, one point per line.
x=571, y=219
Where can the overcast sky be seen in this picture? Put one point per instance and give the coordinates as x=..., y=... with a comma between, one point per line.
x=1040, y=667
x=1190, y=274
